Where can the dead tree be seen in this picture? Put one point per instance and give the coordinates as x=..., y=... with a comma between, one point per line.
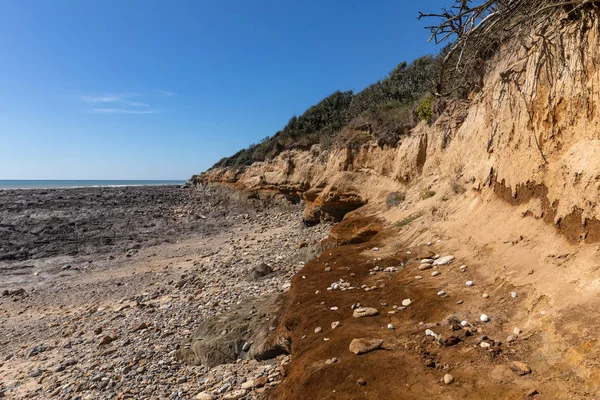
x=475, y=29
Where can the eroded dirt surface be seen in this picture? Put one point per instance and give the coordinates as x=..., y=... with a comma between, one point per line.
x=411, y=364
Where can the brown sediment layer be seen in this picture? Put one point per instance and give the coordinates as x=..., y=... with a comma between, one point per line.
x=355, y=230
x=399, y=369
x=573, y=226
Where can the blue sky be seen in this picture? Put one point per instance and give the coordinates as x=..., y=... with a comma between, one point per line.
x=164, y=89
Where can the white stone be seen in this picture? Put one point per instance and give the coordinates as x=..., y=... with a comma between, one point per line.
x=435, y=273
x=513, y=294
x=464, y=323
x=427, y=261
x=249, y=384
x=406, y=302
x=443, y=260
x=470, y=283
x=429, y=332
x=517, y=331
x=441, y=293
x=484, y=318
x=448, y=379
x=485, y=345
x=390, y=326
x=235, y=395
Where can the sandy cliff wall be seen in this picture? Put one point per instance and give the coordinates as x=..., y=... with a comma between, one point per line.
x=532, y=135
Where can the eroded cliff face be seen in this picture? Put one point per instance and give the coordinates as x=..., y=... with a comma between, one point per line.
x=532, y=136
x=507, y=182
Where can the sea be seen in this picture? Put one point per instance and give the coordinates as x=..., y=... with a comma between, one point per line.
x=55, y=184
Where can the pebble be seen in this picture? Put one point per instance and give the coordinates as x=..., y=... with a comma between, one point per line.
x=427, y=261
x=361, y=382
x=334, y=308
x=425, y=267
x=484, y=318
x=441, y=293
x=235, y=395
x=517, y=331
x=435, y=273
x=511, y=338
x=513, y=294
x=249, y=384
x=406, y=302
x=418, y=277
x=485, y=296
x=448, y=379
x=318, y=329
x=464, y=324
x=459, y=302
x=485, y=345
x=520, y=368
x=463, y=268
x=470, y=283
x=390, y=326
x=335, y=324
x=204, y=396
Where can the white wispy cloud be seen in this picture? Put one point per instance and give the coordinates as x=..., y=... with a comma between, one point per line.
x=166, y=93
x=122, y=103
x=121, y=111
x=136, y=104
x=109, y=98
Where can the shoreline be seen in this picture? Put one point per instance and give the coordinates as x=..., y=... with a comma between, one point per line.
x=93, y=186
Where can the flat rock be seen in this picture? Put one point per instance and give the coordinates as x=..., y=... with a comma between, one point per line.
x=520, y=368
x=424, y=267
x=443, y=260
x=260, y=382
x=365, y=312
x=363, y=345
x=235, y=395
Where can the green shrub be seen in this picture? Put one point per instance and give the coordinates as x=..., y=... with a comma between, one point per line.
x=426, y=194
x=425, y=109
x=408, y=220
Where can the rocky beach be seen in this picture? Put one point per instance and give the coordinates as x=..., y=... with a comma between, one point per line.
x=101, y=286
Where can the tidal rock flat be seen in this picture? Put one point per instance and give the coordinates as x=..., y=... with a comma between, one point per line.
x=100, y=286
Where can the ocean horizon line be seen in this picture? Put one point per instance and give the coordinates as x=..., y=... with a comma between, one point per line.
x=7, y=184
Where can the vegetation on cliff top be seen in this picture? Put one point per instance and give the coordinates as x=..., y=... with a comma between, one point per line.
x=388, y=109
x=385, y=109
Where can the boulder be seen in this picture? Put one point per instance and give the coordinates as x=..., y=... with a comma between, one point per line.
x=223, y=339
x=259, y=271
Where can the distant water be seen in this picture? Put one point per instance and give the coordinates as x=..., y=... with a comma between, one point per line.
x=48, y=184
